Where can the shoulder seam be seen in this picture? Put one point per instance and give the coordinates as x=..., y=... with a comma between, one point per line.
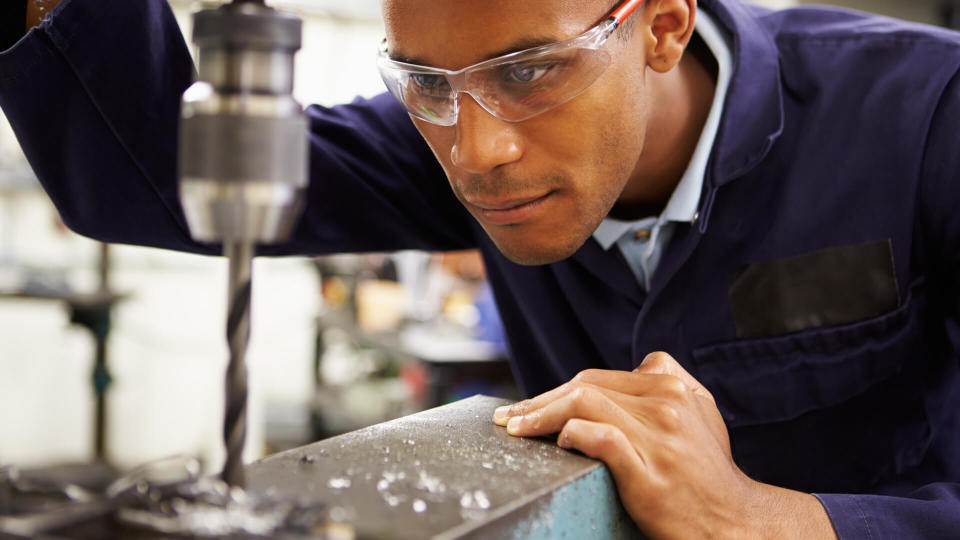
x=880, y=37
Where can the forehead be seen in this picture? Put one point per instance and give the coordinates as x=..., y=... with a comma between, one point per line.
x=456, y=33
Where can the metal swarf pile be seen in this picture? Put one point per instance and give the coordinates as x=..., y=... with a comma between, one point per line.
x=164, y=498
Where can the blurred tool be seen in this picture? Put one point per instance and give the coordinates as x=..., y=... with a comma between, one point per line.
x=161, y=499
x=243, y=164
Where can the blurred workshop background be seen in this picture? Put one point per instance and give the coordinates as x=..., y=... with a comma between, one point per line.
x=118, y=353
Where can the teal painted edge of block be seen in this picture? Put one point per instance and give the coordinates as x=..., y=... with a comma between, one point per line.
x=588, y=507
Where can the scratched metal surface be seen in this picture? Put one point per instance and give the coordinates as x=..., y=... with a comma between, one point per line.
x=450, y=473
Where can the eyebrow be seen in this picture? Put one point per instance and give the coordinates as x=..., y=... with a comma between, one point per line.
x=518, y=45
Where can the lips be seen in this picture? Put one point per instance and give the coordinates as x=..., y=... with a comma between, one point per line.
x=506, y=204
x=509, y=211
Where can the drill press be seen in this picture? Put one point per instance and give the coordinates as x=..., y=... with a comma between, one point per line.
x=243, y=165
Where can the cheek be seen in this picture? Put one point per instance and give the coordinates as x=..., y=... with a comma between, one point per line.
x=440, y=139
x=611, y=141
x=624, y=135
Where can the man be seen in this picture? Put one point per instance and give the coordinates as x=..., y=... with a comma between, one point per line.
x=767, y=196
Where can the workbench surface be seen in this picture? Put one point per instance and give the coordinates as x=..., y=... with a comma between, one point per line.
x=449, y=472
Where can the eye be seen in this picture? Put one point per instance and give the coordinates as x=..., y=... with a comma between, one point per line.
x=526, y=73
x=427, y=81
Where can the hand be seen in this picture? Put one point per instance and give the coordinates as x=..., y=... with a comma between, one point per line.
x=660, y=433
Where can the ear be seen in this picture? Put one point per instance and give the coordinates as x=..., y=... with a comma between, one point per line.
x=667, y=28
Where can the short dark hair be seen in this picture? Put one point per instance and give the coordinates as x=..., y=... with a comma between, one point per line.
x=625, y=32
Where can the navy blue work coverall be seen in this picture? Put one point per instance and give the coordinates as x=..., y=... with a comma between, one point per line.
x=837, y=164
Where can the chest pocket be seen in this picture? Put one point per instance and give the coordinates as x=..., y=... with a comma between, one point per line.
x=836, y=409
x=774, y=379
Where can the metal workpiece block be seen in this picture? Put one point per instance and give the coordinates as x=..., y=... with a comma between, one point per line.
x=450, y=472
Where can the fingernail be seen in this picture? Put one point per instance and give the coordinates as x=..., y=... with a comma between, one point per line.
x=501, y=415
x=513, y=427
x=564, y=441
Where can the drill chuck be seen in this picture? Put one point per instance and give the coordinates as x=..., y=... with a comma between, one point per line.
x=243, y=137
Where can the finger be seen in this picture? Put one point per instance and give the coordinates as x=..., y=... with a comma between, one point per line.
x=585, y=402
x=502, y=415
x=658, y=407
x=623, y=382
x=662, y=363
x=608, y=444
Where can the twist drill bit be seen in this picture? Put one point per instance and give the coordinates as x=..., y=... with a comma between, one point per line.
x=240, y=255
x=243, y=165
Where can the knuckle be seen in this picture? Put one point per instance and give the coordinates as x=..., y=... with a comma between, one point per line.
x=655, y=362
x=578, y=398
x=586, y=376
x=665, y=410
x=608, y=439
x=583, y=397
x=673, y=387
x=572, y=426
x=567, y=387
x=667, y=415
x=659, y=357
x=577, y=402
x=520, y=408
x=535, y=419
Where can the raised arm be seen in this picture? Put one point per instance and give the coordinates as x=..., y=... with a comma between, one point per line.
x=93, y=94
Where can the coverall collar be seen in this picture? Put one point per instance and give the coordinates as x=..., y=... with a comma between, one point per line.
x=753, y=112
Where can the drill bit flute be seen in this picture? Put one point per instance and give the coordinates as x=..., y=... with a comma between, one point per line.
x=243, y=165
x=240, y=256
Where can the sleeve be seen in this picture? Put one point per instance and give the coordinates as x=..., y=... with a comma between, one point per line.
x=932, y=510
x=93, y=95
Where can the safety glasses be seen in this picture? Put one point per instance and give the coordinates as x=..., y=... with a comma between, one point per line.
x=513, y=87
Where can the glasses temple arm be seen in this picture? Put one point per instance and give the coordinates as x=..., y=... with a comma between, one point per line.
x=624, y=10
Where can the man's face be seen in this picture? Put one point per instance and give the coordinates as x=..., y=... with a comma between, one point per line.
x=542, y=186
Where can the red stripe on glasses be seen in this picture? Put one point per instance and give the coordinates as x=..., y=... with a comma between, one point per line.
x=624, y=10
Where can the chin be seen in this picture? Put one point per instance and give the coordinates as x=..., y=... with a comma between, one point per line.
x=536, y=254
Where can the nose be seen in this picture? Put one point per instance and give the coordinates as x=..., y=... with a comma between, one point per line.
x=483, y=142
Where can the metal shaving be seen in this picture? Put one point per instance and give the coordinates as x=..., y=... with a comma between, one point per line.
x=167, y=496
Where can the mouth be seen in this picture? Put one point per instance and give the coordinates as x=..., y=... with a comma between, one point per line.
x=509, y=211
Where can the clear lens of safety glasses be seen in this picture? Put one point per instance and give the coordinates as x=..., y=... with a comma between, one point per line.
x=514, y=87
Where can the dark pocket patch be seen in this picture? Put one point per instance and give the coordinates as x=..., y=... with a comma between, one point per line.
x=834, y=286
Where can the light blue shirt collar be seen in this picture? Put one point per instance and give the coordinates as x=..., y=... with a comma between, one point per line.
x=611, y=230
